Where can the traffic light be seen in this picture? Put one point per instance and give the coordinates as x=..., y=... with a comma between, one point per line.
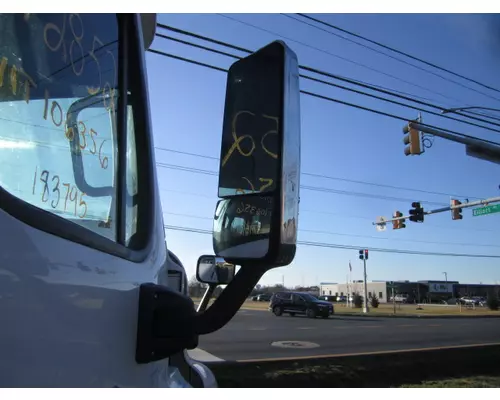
x=361, y=255
x=366, y=254
x=400, y=223
x=417, y=212
x=456, y=213
x=412, y=139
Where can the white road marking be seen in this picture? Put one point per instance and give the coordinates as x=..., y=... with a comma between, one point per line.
x=306, y=327
x=202, y=355
x=257, y=329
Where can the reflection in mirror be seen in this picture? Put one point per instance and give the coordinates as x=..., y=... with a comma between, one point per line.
x=252, y=128
x=242, y=225
x=214, y=270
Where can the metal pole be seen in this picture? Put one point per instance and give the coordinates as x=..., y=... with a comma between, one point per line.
x=393, y=300
x=206, y=297
x=365, y=302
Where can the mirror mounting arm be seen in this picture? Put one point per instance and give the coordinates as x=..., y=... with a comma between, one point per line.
x=229, y=301
x=206, y=297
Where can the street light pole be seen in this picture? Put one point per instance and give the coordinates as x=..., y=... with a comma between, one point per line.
x=365, y=302
x=445, y=276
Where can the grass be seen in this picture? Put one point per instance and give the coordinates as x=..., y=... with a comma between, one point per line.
x=387, y=309
x=468, y=382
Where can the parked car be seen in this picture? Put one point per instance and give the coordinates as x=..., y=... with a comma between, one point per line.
x=400, y=298
x=294, y=303
x=262, y=297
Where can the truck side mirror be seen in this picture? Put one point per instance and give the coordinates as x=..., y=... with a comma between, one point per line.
x=259, y=174
x=214, y=270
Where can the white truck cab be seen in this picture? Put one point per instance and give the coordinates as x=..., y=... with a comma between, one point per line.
x=90, y=296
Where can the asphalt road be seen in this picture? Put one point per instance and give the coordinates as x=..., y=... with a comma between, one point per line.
x=250, y=335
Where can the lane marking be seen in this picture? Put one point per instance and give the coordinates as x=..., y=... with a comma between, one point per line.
x=461, y=346
x=406, y=326
x=370, y=326
x=306, y=327
x=434, y=325
x=203, y=356
x=256, y=329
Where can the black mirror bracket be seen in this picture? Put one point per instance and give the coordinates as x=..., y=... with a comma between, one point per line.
x=165, y=323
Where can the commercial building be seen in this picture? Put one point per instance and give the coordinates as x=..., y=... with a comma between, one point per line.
x=419, y=291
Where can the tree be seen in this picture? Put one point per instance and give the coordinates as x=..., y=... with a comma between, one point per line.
x=492, y=301
x=374, y=301
x=195, y=288
x=357, y=300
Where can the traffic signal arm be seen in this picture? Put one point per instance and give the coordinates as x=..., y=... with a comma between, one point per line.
x=485, y=202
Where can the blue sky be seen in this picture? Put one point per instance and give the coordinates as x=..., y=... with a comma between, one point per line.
x=340, y=142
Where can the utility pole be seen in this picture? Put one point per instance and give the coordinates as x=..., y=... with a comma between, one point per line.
x=363, y=255
x=446, y=277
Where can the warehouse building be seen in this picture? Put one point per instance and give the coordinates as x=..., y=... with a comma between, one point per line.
x=415, y=292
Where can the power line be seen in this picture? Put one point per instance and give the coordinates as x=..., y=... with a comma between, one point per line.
x=340, y=57
x=388, y=55
x=247, y=51
x=348, y=247
x=399, y=52
x=390, y=92
x=358, y=236
x=323, y=176
x=340, y=86
x=327, y=98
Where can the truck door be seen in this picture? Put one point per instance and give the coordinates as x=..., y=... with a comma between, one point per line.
x=80, y=217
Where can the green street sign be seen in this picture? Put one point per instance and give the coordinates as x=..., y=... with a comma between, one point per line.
x=486, y=210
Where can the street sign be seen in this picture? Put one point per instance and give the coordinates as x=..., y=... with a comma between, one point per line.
x=381, y=226
x=486, y=210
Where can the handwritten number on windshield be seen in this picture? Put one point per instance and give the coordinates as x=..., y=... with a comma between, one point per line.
x=56, y=189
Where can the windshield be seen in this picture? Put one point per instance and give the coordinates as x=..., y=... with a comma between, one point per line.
x=57, y=114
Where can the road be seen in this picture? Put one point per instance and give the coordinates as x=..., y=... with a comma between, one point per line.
x=251, y=334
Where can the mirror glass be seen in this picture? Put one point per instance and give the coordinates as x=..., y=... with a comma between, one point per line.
x=242, y=226
x=214, y=270
x=252, y=127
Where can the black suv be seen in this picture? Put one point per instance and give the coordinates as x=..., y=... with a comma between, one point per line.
x=299, y=303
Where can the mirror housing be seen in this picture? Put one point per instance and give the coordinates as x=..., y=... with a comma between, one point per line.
x=214, y=270
x=256, y=219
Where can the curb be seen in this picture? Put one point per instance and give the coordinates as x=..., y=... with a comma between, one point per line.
x=378, y=315
x=424, y=316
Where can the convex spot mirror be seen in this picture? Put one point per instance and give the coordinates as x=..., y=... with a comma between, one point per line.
x=214, y=270
x=259, y=173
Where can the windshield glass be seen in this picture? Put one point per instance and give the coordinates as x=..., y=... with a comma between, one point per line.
x=48, y=157
x=58, y=74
